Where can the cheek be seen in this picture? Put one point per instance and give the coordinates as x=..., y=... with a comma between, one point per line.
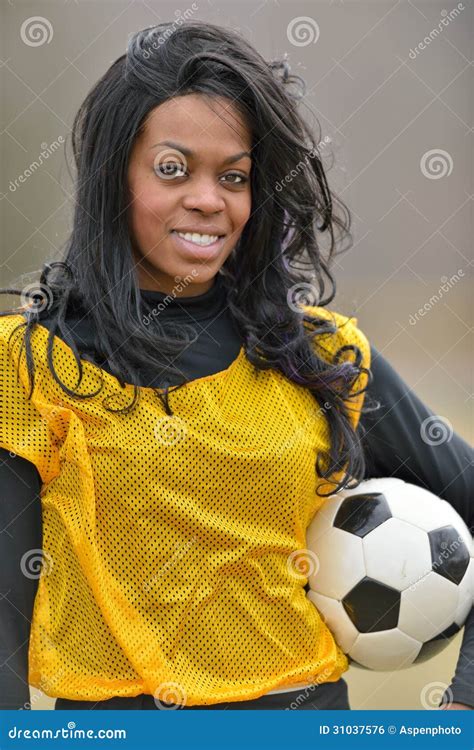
x=150, y=208
x=246, y=208
x=240, y=208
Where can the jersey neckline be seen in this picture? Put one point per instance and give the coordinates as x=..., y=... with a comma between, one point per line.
x=129, y=387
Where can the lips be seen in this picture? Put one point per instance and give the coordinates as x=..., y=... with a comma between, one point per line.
x=211, y=232
x=193, y=250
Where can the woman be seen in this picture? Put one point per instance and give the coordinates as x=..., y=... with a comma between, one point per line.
x=190, y=414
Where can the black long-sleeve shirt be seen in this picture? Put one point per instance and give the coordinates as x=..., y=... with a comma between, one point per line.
x=390, y=437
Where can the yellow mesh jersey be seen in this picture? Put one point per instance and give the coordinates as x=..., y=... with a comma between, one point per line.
x=166, y=539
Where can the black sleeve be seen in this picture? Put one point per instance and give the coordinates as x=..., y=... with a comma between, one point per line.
x=394, y=446
x=20, y=534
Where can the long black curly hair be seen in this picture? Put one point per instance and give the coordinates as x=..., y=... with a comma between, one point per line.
x=277, y=261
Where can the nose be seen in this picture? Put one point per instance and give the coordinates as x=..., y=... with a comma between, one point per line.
x=204, y=195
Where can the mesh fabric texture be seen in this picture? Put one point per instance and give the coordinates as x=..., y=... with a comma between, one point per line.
x=167, y=539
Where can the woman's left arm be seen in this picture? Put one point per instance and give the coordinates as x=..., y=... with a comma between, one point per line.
x=394, y=438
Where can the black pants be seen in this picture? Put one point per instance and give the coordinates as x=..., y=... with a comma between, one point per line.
x=328, y=695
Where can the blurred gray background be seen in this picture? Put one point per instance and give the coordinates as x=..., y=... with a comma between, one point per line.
x=390, y=84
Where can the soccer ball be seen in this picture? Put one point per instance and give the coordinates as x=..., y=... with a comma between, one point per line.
x=391, y=572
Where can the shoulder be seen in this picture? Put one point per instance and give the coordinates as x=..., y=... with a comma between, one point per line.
x=9, y=324
x=9, y=321
x=13, y=350
x=337, y=331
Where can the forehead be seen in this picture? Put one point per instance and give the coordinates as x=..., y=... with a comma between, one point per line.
x=199, y=123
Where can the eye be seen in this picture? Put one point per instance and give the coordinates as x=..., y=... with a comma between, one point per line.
x=167, y=169
x=241, y=177
x=175, y=169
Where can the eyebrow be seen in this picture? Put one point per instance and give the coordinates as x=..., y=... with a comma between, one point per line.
x=188, y=152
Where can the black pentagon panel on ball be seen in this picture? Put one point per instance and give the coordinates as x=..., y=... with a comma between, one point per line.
x=372, y=606
x=360, y=514
x=437, y=644
x=449, y=553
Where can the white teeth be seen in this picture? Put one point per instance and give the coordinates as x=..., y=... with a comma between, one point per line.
x=198, y=239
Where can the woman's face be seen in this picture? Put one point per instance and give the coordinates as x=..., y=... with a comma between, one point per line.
x=198, y=182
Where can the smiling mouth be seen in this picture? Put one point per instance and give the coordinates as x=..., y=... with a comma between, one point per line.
x=199, y=239
x=200, y=232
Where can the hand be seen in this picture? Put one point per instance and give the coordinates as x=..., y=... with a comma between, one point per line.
x=456, y=707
